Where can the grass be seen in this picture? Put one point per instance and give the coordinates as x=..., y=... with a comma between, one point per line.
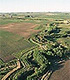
x=64, y=28
x=7, y=21
x=16, y=45
x=65, y=41
x=1, y=62
x=39, y=27
x=56, y=16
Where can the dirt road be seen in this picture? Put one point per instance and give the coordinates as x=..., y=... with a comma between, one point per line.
x=15, y=69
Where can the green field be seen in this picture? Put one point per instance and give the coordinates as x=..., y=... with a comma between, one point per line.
x=39, y=41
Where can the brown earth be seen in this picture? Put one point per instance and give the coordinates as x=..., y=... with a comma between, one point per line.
x=7, y=58
x=23, y=29
x=62, y=73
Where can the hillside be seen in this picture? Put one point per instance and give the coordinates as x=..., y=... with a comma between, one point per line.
x=38, y=42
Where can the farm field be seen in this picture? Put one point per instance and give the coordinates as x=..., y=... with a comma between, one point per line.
x=38, y=41
x=22, y=29
x=13, y=41
x=63, y=72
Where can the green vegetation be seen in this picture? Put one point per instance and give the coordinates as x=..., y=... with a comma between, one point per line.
x=7, y=21
x=1, y=62
x=40, y=51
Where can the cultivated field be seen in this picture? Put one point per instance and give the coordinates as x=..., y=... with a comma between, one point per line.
x=12, y=39
x=22, y=29
x=11, y=43
x=62, y=73
x=40, y=42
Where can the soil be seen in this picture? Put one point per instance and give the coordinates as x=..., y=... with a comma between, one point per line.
x=63, y=73
x=23, y=29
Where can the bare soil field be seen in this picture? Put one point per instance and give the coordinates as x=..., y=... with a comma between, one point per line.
x=63, y=73
x=23, y=29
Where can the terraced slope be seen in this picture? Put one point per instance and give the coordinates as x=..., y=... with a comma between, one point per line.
x=15, y=69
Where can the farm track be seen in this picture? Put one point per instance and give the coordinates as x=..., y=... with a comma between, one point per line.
x=45, y=76
x=12, y=71
x=8, y=67
x=15, y=69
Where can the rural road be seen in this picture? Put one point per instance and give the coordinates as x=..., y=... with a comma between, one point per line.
x=7, y=67
x=9, y=73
